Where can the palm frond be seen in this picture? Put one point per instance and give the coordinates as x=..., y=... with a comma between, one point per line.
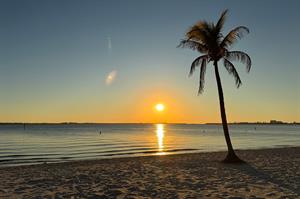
x=202, y=75
x=231, y=70
x=196, y=63
x=197, y=34
x=233, y=35
x=221, y=21
x=194, y=45
x=202, y=33
x=239, y=56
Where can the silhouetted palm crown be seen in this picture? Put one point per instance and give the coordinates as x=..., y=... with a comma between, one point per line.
x=207, y=38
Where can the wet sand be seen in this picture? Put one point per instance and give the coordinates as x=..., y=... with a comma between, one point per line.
x=269, y=173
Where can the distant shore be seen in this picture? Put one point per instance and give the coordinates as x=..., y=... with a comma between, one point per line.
x=92, y=123
x=269, y=173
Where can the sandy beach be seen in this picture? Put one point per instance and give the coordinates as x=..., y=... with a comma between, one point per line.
x=269, y=173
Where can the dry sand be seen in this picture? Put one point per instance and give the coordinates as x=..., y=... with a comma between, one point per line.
x=269, y=173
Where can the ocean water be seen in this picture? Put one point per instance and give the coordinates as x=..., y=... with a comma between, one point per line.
x=66, y=142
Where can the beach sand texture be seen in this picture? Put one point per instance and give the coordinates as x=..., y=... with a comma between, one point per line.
x=269, y=173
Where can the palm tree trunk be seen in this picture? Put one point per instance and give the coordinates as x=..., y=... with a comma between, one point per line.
x=231, y=156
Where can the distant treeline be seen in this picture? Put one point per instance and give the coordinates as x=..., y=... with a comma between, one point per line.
x=87, y=123
x=258, y=123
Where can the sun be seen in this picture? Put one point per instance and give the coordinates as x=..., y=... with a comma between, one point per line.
x=159, y=107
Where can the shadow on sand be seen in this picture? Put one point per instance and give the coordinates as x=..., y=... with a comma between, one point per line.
x=250, y=170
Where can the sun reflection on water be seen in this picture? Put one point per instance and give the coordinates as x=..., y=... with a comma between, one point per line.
x=160, y=139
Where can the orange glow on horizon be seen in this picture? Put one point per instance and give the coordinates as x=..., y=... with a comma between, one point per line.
x=140, y=108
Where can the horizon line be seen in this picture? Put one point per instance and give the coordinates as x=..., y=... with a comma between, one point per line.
x=209, y=123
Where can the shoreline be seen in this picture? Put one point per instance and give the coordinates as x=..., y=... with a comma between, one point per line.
x=124, y=158
x=145, y=155
x=268, y=173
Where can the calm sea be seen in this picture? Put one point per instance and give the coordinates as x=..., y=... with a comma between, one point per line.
x=66, y=142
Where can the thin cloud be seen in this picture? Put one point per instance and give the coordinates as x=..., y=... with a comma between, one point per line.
x=111, y=77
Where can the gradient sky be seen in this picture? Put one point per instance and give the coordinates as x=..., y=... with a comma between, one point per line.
x=55, y=57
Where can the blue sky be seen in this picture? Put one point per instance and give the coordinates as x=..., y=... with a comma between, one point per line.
x=55, y=56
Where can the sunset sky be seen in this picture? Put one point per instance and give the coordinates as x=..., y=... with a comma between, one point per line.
x=113, y=61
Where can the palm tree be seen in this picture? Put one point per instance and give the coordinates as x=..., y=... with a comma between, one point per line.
x=207, y=39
